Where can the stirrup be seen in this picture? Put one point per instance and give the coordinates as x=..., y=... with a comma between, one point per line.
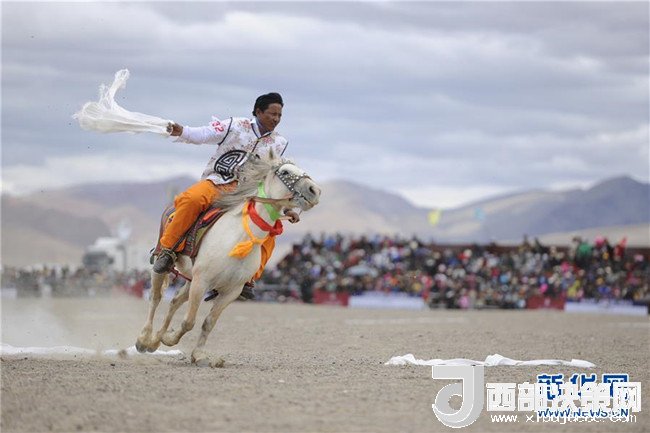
x=165, y=261
x=247, y=292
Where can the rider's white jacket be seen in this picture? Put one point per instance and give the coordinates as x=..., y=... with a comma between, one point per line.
x=236, y=138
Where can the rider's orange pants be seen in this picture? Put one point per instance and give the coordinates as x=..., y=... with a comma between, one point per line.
x=189, y=205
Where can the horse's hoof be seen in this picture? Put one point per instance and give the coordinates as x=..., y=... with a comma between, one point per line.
x=218, y=363
x=153, y=347
x=198, y=355
x=205, y=361
x=201, y=362
x=140, y=347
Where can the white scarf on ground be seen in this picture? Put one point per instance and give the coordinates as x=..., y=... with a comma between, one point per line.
x=490, y=361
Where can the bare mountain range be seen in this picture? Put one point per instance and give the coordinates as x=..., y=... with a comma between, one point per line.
x=55, y=226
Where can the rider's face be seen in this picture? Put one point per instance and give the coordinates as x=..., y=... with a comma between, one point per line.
x=270, y=117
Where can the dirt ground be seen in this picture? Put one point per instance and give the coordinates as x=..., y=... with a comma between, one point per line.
x=291, y=368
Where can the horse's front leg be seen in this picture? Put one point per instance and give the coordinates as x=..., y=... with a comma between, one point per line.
x=196, y=291
x=199, y=356
x=144, y=342
x=181, y=297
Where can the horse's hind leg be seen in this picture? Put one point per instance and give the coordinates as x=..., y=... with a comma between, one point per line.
x=196, y=291
x=199, y=356
x=181, y=297
x=144, y=340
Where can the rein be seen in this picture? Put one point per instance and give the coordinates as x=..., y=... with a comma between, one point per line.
x=282, y=202
x=273, y=213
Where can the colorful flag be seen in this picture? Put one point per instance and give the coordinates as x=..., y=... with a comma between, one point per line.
x=434, y=216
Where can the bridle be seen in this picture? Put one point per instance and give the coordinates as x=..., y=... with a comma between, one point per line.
x=289, y=180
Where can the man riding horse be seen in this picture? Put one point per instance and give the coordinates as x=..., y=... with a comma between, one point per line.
x=236, y=138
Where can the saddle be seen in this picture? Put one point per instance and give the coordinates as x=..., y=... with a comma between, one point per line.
x=191, y=241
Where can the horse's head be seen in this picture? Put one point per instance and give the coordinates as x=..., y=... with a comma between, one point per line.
x=272, y=180
x=287, y=181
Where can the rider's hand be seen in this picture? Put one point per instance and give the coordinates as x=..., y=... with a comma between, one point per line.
x=293, y=215
x=174, y=129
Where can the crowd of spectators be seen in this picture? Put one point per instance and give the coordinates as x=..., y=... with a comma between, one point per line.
x=463, y=277
x=471, y=276
x=62, y=281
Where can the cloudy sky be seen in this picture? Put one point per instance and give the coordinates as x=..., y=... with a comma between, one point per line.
x=442, y=102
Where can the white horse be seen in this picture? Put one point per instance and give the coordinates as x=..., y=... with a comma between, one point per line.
x=285, y=186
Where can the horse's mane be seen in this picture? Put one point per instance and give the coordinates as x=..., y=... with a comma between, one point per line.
x=250, y=175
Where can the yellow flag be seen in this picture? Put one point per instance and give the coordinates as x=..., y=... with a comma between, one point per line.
x=434, y=216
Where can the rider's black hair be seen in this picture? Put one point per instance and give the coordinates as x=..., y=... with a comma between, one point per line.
x=262, y=102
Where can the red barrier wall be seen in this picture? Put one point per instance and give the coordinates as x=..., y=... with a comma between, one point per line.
x=331, y=298
x=539, y=301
